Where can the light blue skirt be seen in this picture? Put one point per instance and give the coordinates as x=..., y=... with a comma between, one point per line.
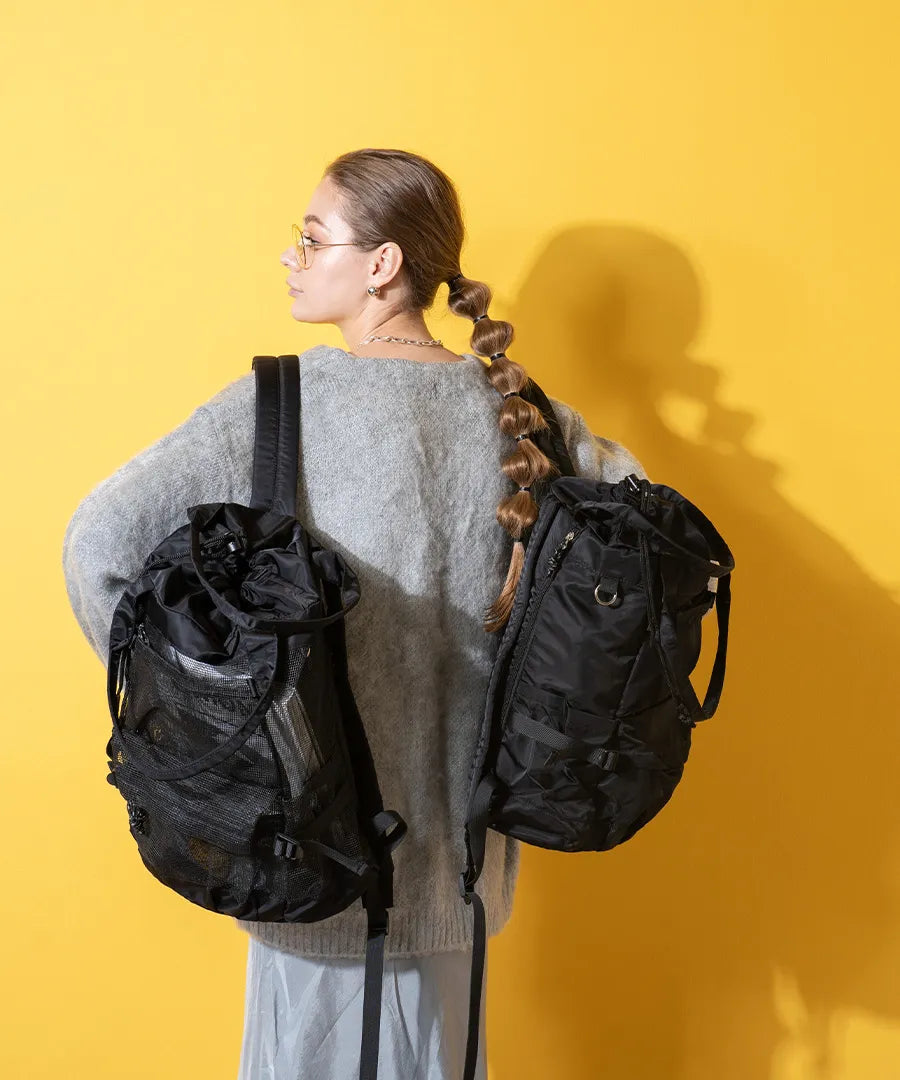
x=303, y=1017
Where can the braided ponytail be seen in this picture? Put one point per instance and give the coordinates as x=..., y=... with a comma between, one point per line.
x=395, y=195
x=517, y=418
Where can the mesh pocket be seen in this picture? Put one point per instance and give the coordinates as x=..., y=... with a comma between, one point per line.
x=294, y=735
x=200, y=836
x=184, y=708
x=210, y=804
x=210, y=835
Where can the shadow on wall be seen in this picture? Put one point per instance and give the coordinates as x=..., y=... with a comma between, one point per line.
x=723, y=938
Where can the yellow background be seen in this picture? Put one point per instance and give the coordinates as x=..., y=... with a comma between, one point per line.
x=688, y=211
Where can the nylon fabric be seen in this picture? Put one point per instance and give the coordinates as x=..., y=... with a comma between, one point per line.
x=588, y=721
x=303, y=1015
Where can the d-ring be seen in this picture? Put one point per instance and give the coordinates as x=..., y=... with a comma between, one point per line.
x=607, y=583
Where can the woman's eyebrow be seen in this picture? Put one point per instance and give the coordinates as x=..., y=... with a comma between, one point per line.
x=318, y=221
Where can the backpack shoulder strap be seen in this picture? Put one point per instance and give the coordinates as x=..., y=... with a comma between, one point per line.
x=276, y=450
x=550, y=442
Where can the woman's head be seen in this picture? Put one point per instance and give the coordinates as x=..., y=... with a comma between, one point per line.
x=397, y=219
x=399, y=224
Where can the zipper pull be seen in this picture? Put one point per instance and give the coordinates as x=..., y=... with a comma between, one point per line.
x=554, y=560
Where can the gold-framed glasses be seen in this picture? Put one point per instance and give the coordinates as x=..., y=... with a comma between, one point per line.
x=305, y=246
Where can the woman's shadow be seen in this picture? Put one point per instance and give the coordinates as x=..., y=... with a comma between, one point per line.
x=723, y=939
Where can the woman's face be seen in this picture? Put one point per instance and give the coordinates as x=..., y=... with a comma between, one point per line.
x=333, y=288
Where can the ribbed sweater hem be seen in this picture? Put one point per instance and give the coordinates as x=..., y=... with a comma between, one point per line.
x=410, y=933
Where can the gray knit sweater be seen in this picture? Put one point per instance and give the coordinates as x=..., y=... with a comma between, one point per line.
x=400, y=473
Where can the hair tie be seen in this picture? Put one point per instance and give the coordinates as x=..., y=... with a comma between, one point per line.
x=496, y=354
x=526, y=436
x=511, y=392
x=478, y=318
x=525, y=488
x=451, y=280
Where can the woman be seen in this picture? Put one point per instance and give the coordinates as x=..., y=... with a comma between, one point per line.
x=407, y=456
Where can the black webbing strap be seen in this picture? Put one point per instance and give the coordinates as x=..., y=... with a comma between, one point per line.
x=371, y=1021
x=476, y=981
x=560, y=742
x=476, y=836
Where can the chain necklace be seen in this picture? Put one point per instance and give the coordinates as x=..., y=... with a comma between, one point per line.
x=402, y=340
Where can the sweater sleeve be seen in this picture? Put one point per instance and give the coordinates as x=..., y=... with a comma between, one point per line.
x=119, y=522
x=594, y=456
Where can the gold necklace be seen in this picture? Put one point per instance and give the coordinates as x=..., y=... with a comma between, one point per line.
x=402, y=340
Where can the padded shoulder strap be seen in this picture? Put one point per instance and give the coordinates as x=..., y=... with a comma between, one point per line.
x=550, y=442
x=276, y=451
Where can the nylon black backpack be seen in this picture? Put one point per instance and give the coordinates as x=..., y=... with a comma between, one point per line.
x=589, y=712
x=236, y=742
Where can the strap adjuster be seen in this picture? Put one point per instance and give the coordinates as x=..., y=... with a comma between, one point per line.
x=284, y=846
x=606, y=759
x=465, y=888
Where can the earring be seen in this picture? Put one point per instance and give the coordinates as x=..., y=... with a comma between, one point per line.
x=372, y=290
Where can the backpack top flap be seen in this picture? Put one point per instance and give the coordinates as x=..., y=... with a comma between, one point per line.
x=673, y=523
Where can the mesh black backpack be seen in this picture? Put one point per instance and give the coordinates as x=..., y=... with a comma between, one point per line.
x=236, y=741
x=589, y=712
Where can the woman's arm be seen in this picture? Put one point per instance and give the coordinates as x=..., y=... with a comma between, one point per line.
x=116, y=526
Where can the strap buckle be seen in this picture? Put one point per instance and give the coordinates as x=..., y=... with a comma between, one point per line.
x=284, y=846
x=606, y=759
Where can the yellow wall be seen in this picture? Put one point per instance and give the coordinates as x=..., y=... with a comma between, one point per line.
x=689, y=213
